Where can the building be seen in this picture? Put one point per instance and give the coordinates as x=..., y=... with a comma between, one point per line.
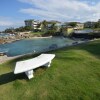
x=79, y=26
x=98, y=20
x=29, y=23
x=36, y=25
x=58, y=26
x=67, y=30
x=89, y=24
x=49, y=25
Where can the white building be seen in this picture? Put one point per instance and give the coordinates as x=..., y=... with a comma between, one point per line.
x=34, y=24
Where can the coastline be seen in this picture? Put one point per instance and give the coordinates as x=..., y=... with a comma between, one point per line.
x=5, y=58
x=4, y=41
x=40, y=37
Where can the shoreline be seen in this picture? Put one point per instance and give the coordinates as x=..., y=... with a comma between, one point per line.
x=11, y=41
x=5, y=58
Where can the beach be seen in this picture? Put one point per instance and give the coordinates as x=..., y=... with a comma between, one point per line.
x=4, y=58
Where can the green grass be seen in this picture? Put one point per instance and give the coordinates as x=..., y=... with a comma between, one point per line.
x=74, y=75
x=97, y=29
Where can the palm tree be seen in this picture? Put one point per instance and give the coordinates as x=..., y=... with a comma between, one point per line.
x=44, y=26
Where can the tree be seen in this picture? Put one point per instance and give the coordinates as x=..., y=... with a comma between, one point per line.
x=97, y=25
x=9, y=30
x=44, y=26
x=20, y=29
x=27, y=28
x=54, y=27
x=73, y=24
x=44, y=23
x=23, y=28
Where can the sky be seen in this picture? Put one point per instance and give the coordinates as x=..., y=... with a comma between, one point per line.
x=14, y=12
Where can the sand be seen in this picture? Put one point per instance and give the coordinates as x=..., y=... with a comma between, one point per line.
x=4, y=58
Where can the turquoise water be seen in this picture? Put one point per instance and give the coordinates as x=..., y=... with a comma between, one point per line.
x=33, y=45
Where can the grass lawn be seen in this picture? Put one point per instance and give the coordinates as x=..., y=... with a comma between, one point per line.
x=74, y=75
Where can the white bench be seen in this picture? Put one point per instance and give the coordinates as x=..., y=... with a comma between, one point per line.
x=27, y=66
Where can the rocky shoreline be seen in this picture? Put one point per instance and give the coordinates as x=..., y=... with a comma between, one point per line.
x=3, y=41
x=5, y=58
x=17, y=37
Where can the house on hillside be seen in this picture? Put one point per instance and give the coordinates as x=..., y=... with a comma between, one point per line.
x=50, y=25
x=79, y=26
x=67, y=30
x=98, y=20
x=89, y=24
x=58, y=25
x=36, y=25
x=29, y=22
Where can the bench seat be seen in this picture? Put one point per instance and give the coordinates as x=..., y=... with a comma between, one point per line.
x=27, y=66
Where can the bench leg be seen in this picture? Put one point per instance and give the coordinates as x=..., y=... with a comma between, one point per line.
x=29, y=74
x=48, y=64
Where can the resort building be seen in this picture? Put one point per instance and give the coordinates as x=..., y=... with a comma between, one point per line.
x=49, y=25
x=58, y=25
x=99, y=20
x=53, y=22
x=89, y=24
x=29, y=23
x=67, y=30
x=36, y=25
x=79, y=26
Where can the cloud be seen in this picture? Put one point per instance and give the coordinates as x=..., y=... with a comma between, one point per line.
x=6, y=22
x=63, y=10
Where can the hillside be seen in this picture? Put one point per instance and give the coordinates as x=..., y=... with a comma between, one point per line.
x=74, y=75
